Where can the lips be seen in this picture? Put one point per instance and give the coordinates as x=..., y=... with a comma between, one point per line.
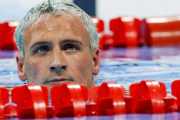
x=58, y=81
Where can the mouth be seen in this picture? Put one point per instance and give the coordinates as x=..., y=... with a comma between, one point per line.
x=58, y=81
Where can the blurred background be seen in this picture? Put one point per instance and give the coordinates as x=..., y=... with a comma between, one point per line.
x=14, y=10
x=120, y=23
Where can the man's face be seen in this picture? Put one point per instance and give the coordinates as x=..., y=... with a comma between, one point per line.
x=57, y=51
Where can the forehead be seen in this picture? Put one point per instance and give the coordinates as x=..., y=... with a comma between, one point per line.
x=59, y=23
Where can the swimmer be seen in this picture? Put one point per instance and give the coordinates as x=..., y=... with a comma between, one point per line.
x=57, y=43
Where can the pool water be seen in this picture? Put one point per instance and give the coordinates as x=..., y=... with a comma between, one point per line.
x=125, y=66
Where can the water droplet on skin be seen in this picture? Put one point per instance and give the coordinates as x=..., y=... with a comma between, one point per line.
x=50, y=26
x=68, y=26
x=49, y=29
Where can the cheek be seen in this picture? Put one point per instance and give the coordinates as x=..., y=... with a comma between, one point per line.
x=83, y=72
x=82, y=66
x=33, y=71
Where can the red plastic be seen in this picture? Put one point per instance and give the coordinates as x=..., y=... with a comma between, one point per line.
x=7, y=39
x=161, y=31
x=99, y=24
x=106, y=41
x=126, y=31
x=7, y=111
x=109, y=99
x=4, y=98
x=32, y=101
x=176, y=92
x=10, y=111
x=149, y=97
x=69, y=100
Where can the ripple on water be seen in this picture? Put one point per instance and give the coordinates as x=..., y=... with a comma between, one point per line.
x=123, y=71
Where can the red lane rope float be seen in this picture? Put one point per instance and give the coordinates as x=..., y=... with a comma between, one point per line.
x=7, y=39
x=149, y=97
x=126, y=31
x=109, y=98
x=176, y=92
x=4, y=98
x=161, y=31
x=69, y=100
x=32, y=101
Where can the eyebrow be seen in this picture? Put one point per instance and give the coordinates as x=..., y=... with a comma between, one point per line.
x=40, y=43
x=71, y=41
x=61, y=42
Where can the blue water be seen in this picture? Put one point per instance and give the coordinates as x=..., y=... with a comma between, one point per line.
x=125, y=71
x=123, y=66
x=167, y=116
x=120, y=65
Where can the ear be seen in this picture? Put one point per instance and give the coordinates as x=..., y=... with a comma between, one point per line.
x=96, y=61
x=20, y=67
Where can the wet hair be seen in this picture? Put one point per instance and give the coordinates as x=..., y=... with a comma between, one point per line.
x=55, y=7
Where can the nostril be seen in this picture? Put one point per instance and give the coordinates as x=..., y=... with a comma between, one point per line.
x=52, y=68
x=58, y=68
x=64, y=67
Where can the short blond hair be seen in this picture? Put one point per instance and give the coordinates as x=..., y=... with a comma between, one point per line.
x=56, y=7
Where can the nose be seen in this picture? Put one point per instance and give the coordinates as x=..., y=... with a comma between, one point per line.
x=57, y=68
x=58, y=63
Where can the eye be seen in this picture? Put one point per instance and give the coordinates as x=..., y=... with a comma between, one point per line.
x=70, y=47
x=42, y=49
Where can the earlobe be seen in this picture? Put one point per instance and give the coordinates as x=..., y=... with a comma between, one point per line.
x=96, y=62
x=20, y=67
